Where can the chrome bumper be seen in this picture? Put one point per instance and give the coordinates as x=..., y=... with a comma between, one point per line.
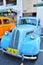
x=25, y=57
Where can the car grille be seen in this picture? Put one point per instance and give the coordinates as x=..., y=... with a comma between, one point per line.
x=15, y=39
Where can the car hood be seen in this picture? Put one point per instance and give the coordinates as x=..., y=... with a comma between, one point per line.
x=26, y=27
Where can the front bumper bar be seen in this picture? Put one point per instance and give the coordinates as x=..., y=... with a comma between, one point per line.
x=20, y=56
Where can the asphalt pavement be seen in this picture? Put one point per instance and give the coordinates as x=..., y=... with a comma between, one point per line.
x=10, y=60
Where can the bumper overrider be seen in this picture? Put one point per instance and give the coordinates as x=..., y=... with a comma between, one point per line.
x=20, y=56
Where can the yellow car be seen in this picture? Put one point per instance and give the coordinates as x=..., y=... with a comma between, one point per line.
x=6, y=24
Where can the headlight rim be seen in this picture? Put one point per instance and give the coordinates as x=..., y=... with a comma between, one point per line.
x=32, y=36
x=6, y=32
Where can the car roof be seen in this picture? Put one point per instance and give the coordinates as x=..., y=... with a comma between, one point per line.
x=3, y=17
x=29, y=18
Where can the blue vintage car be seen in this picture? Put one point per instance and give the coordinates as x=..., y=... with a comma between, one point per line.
x=24, y=40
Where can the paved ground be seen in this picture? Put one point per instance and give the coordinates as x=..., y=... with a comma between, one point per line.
x=10, y=60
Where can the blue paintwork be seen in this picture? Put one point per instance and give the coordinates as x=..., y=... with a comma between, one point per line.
x=31, y=46
x=6, y=40
x=26, y=45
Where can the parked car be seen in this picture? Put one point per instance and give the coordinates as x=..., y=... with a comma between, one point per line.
x=6, y=24
x=24, y=40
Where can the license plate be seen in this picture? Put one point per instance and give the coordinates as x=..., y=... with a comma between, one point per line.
x=13, y=51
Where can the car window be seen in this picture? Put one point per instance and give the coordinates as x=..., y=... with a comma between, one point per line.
x=0, y=22
x=28, y=21
x=6, y=21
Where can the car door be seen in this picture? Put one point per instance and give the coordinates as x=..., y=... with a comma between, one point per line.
x=1, y=29
x=6, y=25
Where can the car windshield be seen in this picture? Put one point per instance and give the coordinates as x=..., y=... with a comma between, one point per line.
x=28, y=21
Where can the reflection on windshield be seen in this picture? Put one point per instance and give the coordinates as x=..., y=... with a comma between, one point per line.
x=28, y=21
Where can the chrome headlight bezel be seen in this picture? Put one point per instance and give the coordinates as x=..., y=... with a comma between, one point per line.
x=6, y=33
x=32, y=36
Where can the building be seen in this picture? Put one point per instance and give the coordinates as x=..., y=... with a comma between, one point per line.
x=39, y=7
x=28, y=8
x=22, y=7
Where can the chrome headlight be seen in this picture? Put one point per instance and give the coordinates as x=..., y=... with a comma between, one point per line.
x=32, y=36
x=6, y=33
